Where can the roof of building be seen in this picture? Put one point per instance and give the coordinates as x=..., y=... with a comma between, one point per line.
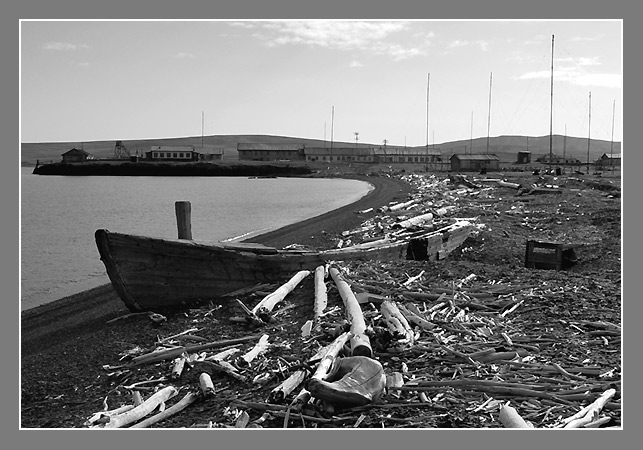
x=270, y=147
x=75, y=150
x=476, y=157
x=335, y=151
x=412, y=151
x=170, y=148
x=613, y=155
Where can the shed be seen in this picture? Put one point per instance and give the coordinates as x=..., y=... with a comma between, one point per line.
x=609, y=160
x=474, y=163
x=407, y=155
x=270, y=152
x=339, y=154
x=524, y=157
x=75, y=155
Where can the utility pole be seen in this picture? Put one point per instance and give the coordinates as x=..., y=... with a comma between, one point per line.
x=471, y=139
x=589, y=124
x=489, y=117
x=428, y=81
x=332, y=122
x=356, y=137
x=612, y=142
x=551, y=107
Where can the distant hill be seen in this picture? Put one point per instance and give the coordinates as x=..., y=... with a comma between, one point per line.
x=505, y=147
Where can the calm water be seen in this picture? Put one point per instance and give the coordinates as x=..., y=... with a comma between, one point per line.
x=59, y=215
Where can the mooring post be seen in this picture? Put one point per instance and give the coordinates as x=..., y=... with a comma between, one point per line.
x=184, y=219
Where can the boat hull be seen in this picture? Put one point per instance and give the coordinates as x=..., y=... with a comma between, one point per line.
x=150, y=273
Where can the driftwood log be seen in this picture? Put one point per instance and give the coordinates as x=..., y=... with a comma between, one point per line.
x=360, y=343
x=137, y=413
x=267, y=304
x=321, y=296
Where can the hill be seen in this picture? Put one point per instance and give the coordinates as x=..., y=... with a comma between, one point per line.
x=506, y=147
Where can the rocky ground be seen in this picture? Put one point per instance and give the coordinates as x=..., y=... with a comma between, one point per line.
x=495, y=333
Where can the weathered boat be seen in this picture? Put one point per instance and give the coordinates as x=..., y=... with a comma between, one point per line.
x=149, y=272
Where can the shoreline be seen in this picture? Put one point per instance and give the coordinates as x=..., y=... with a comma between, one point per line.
x=45, y=325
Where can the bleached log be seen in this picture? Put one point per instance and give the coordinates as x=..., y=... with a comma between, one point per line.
x=415, y=221
x=177, y=366
x=360, y=343
x=590, y=412
x=321, y=296
x=511, y=419
x=279, y=393
x=268, y=302
x=205, y=382
x=142, y=410
x=413, y=316
x=186, y=401
x=397, y=324
x=332, y=350
x=222, y=356
x=259, y=348
x=164, y=355
x=104, y=415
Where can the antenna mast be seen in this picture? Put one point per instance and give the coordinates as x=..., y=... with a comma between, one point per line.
x=551, y=107
x=589, y=124
x=489, y=117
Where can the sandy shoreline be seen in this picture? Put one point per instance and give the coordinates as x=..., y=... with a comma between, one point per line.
x=48, y=324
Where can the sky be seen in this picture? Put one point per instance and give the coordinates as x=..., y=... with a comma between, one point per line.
x=404, y=82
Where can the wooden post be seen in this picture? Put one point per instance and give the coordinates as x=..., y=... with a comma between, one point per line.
x=360, y=343
x=184, y=219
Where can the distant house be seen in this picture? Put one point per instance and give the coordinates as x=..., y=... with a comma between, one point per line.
x=75, y=155
x=609, y=160
x=524, y=157
x=271, y=152
x=474, y=163
x=339, y=154
x=556, y=159
x=171, y=153
x=407, y=155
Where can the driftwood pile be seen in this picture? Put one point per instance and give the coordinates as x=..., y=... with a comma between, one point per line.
x=387, y=344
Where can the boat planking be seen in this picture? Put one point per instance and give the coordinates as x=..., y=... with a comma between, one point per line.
x=150, y=272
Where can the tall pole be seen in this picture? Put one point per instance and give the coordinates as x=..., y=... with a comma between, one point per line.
x=551, y=107
x=201, y=129
x=489, y=116
x=471, y=138
x=565, y=147
x=612, y=142
x=589, y=124
x=324, y=134
x=426, y=162
x=356, y=137
x=332, y=122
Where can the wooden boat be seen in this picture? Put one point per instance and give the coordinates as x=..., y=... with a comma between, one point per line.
x=149, y=272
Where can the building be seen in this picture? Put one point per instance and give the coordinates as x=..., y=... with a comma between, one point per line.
x=184, y=153
x=271, y=152
x=417, y=155
x=555, y=159
x=609, y=160
x=75, y=155
x=340, y=154
x=474, y=163
x=171, y=153
x=524, y=157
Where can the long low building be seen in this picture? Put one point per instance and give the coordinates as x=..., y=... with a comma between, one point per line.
x=271, y=152
x=184, y=153
x=474, y=163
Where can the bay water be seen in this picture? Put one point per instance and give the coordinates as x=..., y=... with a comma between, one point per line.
x=59, y=215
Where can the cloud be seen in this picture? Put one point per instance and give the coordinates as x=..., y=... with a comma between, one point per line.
x=356, y=64
x=374, y=37
x=184, y=55
x=63, y=46
x=484, y=45
x=577, y=77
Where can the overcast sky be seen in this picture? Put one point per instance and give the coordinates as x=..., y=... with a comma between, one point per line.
x=109, y=80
